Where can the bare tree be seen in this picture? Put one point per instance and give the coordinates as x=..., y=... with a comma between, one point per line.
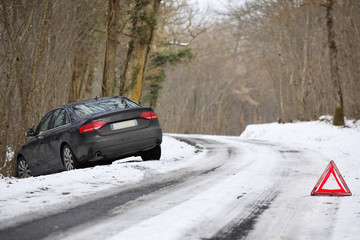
x=218, y=92
x=272, y=62
x=40, y=41
x=26, y=96
x=112, y=32
x=293, y=42
x=339, y=110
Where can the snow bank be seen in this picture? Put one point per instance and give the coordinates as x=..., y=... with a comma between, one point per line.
x=341, y=144
x=319, y=135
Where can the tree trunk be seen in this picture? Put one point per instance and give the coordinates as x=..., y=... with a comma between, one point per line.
x=144, y=22
x=73, y=96
x=339, y=110
x=112, y=29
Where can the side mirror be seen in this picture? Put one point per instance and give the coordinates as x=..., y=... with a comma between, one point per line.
x=30, y=132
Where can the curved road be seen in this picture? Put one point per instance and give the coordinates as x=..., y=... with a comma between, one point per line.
x=240, y=189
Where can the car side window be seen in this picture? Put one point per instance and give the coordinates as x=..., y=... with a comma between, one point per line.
x=61, y=118
x=44, y=124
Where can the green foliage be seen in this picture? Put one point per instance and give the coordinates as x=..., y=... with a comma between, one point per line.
x=142, y=22
x=162, y=58
x=157, y=74
x=140, y=3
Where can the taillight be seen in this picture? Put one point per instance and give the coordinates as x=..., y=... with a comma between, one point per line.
x=91, y=126
x=148, y=115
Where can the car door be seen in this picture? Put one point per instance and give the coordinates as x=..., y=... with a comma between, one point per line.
x=36, y=148
x=58, y=132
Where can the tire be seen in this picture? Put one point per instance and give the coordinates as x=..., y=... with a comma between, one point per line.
x=68, y=158
x=152, y=154
x=23, y=169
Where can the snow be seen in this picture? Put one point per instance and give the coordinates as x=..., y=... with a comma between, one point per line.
x=341, y=144
x=23, y=199
x=195, y=209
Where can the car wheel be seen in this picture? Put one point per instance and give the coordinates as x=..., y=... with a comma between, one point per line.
x=23, y=168
x=152, y=154
x=68, y=158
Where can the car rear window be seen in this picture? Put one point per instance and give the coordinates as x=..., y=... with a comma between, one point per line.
x=106, y=105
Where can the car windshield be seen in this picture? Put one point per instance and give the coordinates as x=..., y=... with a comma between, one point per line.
x=106, y=105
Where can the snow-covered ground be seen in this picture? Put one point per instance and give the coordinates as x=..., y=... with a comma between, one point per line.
x=341, y=144
x=267, y=148
x=24, y=199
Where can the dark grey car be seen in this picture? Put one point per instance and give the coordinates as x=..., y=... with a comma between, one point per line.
x=96, y=130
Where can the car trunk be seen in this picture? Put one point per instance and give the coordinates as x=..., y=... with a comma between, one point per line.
x=122, y=121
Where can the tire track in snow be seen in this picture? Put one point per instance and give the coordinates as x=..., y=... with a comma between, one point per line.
x=200, y=177
x=287, y=217
x=101, y=208
x=40, y=228
x=239, y=228
x=242, y=225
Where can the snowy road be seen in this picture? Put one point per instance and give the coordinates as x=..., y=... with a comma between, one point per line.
x=231, y=188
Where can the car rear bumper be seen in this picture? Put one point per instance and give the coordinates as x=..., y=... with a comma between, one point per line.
x=96, y=147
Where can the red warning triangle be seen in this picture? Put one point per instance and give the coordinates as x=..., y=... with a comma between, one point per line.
x=337, y=188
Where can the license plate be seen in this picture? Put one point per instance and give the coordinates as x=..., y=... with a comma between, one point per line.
x=124, y=124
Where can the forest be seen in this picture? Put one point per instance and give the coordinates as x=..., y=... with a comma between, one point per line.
x=214, y=73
